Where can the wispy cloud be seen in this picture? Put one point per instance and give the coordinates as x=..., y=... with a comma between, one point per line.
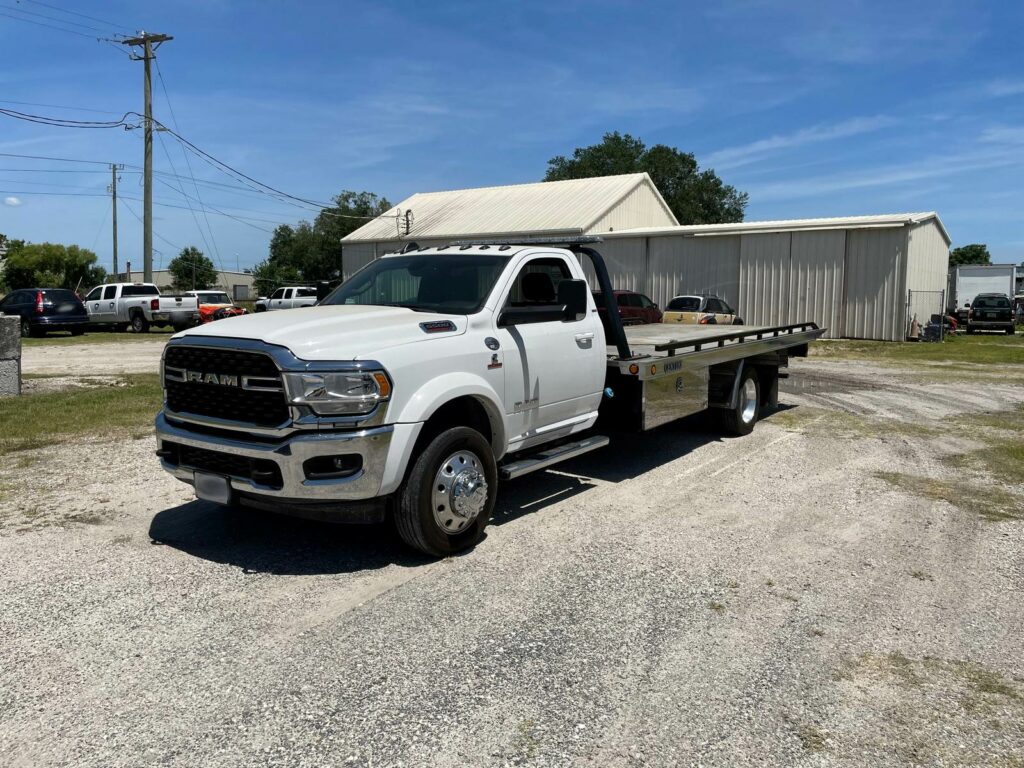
x=14, y=202
x=1003, y=134
x=999, y=88
x=889, y=176
x=744, y=154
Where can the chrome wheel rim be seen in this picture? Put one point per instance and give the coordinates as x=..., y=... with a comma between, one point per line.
x=749, y=407
x=460, y=492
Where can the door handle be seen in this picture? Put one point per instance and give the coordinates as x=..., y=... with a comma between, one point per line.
x=584, y=340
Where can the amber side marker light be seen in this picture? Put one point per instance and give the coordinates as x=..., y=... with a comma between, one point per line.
x=383, y=384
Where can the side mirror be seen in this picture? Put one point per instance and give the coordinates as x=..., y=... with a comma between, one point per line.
x=573, y=294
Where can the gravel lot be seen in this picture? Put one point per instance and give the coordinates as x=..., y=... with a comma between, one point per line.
x=680, y=600
x=89, y=359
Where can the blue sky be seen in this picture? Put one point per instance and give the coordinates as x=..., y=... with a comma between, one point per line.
x=814, y=108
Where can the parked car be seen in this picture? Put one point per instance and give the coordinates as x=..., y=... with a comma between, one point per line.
x=215, y=305
x=634, y=308
x=701, y=309
x=46, y=309
x=139, y=305
x=289, y=297
x=991, y=312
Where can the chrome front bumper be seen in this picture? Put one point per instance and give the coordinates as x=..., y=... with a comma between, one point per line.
x=290, y=454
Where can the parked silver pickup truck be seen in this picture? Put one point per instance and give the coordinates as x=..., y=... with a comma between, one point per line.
x=288, y=297
x=139, y=305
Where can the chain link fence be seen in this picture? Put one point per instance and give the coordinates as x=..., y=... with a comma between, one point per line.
x=926, y=315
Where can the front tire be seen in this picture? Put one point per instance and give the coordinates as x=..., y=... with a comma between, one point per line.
x=741, y=419
x=139, y=323
x=448, y=496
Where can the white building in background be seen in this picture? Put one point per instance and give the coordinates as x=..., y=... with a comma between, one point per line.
x=238, y=285
x=862, y=277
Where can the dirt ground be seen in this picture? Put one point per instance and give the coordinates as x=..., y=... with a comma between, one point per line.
x=93, y=359
x=802, y=596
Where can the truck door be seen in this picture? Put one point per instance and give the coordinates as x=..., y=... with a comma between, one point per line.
x=276, y=299
x=105, y=309
x=554, y=370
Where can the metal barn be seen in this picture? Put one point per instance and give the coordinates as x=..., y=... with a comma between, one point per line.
x=862, y=277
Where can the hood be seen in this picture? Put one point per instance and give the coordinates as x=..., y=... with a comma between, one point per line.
x=343, y=332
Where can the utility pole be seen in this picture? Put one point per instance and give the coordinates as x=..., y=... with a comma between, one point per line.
x=149, y=42
x=114, y=168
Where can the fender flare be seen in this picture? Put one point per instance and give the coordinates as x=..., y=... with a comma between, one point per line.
x=443, y=389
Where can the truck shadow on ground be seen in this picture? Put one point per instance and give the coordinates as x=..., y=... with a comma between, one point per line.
x=262, y=542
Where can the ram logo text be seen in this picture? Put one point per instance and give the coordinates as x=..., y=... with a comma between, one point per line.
x=211, y=378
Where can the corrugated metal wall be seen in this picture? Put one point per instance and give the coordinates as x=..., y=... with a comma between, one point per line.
x=816, y=279
x=927, y=258
x=693, y=265
x=640, y=208
x=765, y=278
x=874, y=293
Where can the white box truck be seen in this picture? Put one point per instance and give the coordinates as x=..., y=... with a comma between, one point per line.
x=968, y=280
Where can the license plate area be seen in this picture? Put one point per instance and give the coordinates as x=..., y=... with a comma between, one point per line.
x=215, y=488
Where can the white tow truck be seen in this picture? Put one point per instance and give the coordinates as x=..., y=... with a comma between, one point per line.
x=430, y=374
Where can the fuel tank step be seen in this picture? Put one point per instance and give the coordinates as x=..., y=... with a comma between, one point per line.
x=549, y=456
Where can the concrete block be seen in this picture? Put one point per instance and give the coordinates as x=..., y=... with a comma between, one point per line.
x=10, y=355
x=10, y=377
x=10, y=337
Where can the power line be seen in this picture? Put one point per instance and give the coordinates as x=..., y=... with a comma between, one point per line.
x=155, y=234
x=78, y=24
x=61, y=122
x=188, y=165
x=58, y=106
x=57, y=159
x=76, y=13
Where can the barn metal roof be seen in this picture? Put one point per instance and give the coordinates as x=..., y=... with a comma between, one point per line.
x=788, y=225
x=562, y=207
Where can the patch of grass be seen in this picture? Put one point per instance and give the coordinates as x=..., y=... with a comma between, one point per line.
x=97, y=337
x=122, y=538
x=732, y=584
x=839, y=422
x=984, y=349
x=716, y=606
x=922, y=576
x=36, y=421
x=991, y=503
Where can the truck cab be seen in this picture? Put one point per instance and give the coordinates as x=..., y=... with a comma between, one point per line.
x=417, y=383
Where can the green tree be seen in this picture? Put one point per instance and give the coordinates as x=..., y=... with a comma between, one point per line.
x=192, y=271
x=695, y=196
x=267, y=276
x=975, y=253
x=45, y=265
x=311, y=251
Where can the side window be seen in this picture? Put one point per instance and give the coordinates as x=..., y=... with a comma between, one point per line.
x=277, y=294
x=622, y=299
x=712, y=305
x=109, y=292
x=287, y=293
x=537, y=282
x=726, y=309
x=305, y=292
x=94, y=294
x=633, y=300
x=645, y=302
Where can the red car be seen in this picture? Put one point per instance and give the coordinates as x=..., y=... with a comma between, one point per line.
x=634, y=308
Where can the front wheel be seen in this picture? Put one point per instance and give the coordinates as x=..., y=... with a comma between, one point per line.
x=448, y=496
x=139, y=323
x=741, y=419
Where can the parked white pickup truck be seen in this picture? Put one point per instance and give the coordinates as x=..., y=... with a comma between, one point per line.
x=428, y=375
x=139, y=305
x=289, y=297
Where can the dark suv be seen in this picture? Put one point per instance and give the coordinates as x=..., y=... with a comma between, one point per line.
x=634, y=308
x=990, y=312
x=46, y=309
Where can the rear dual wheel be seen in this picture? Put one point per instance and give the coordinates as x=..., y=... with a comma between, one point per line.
x=740, y=419
x=448, y=496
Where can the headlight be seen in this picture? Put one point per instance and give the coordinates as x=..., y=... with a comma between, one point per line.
x=338, y=394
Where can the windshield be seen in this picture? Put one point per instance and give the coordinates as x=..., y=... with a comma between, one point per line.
x=448, y=283
x=684, y=304
x=213, y=298
x=991, y=302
